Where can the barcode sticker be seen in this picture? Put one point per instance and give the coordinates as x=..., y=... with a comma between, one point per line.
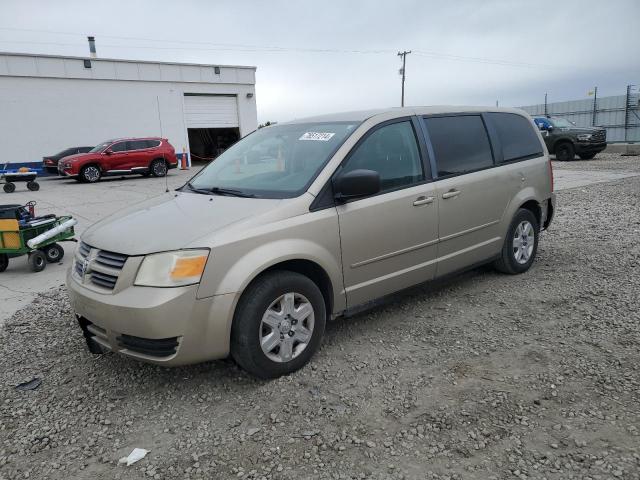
x=317, y=136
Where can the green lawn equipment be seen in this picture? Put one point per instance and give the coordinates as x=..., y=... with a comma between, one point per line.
x=22, y=233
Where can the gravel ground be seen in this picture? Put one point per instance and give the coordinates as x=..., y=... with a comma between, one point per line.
x=485, y=376
x=603, y=161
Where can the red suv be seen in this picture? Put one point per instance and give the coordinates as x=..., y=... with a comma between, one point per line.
x=145, y=156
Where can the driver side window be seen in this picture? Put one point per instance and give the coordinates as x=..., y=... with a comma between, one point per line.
x=392, y=151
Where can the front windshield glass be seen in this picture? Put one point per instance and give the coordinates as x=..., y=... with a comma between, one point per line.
x=562, y=123
x=99, y=148
x=274, y=162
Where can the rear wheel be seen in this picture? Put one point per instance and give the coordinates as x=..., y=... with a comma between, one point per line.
x=278, y=325
x=4, y=261
x=53, y=252
x=520, y=245
x=33, y=186
x=9, y=187
x=90, y=174
x=37, y=261
x=587, y=156
x=565, y=152
x=158, y=168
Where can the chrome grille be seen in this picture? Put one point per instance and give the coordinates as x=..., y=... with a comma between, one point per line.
x=104, y=280
x=110, y=259
x=599, y=136
x=103, y=266
x=84, y=249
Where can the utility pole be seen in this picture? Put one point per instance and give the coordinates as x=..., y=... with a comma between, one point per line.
x=595, y=107
x=402, y=71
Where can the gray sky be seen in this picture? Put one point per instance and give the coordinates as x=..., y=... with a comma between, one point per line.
x=465, y=52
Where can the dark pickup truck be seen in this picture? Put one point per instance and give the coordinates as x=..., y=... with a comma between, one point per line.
x=566, y=140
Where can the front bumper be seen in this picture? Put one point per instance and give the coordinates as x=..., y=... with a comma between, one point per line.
x=165, y=326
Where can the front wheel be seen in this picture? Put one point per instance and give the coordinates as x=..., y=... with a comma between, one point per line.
x=9, y=187
x=33, y=186
x=278, y=325
x=565, y=152
x=37, y=261
x=158, y=168
x=90, y=174
x=53, y=252
x=4, y=262
x=520, y=245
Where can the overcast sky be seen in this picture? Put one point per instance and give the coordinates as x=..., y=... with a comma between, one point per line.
x=465, y=52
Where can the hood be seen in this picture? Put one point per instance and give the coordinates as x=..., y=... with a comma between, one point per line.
x=579, y=130
x=171, y=222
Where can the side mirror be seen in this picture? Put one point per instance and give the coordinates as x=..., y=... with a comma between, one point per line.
x=108, y=151
x=357, y=183
x=549, y=128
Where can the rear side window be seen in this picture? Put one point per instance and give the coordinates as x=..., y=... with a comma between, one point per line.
x=152, y=143
x=460, y=144
x=137, y=144
x=119, y=147
x=517, y=136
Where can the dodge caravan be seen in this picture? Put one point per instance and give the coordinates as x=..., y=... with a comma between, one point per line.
x=303, y=222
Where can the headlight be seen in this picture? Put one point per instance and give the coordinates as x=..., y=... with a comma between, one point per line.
x=172, y=269
x=585, y=137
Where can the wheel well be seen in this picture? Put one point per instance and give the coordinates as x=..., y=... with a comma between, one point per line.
x=534, y=208
x=313, y=271
x=159, y=158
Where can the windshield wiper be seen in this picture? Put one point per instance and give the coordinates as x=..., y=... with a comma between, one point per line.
x=196, y=190
x=230, y=192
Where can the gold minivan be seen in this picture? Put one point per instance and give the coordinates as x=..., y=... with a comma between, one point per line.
x=307, y=221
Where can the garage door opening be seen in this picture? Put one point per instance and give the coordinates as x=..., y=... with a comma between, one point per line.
x=205, y=144
x=212, y=125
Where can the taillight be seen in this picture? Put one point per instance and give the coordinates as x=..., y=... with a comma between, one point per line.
x=551, y=174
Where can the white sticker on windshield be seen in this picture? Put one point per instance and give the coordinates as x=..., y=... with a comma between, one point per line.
x=317, y=136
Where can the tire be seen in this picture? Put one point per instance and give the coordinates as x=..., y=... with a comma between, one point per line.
x=587, y=156
x=4, y=262
x=516, y=259
x=262, y=318
x=37, y=261
x=33, y=186
x=90, y=174
x=565, y=152
x=54, y=253
x=158, y=168
x=9, y=187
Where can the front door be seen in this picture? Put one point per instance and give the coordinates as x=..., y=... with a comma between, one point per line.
x=389, y=240
x=472, y=197
x=118, y=159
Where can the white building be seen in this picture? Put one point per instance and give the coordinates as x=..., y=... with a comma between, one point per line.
x=49, y=103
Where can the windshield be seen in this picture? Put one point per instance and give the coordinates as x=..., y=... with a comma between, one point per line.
x=99, y=148
x=274, y=162
x=561, y=122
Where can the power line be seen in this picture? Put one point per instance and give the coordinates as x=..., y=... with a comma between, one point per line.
x=234, y=47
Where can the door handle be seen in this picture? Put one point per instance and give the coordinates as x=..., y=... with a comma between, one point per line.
x=451, y=194
x=422, y=201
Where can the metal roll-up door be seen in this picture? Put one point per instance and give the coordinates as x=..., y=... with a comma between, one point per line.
x=211, y=111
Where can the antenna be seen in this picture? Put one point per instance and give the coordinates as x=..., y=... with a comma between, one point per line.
x=166, y=180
